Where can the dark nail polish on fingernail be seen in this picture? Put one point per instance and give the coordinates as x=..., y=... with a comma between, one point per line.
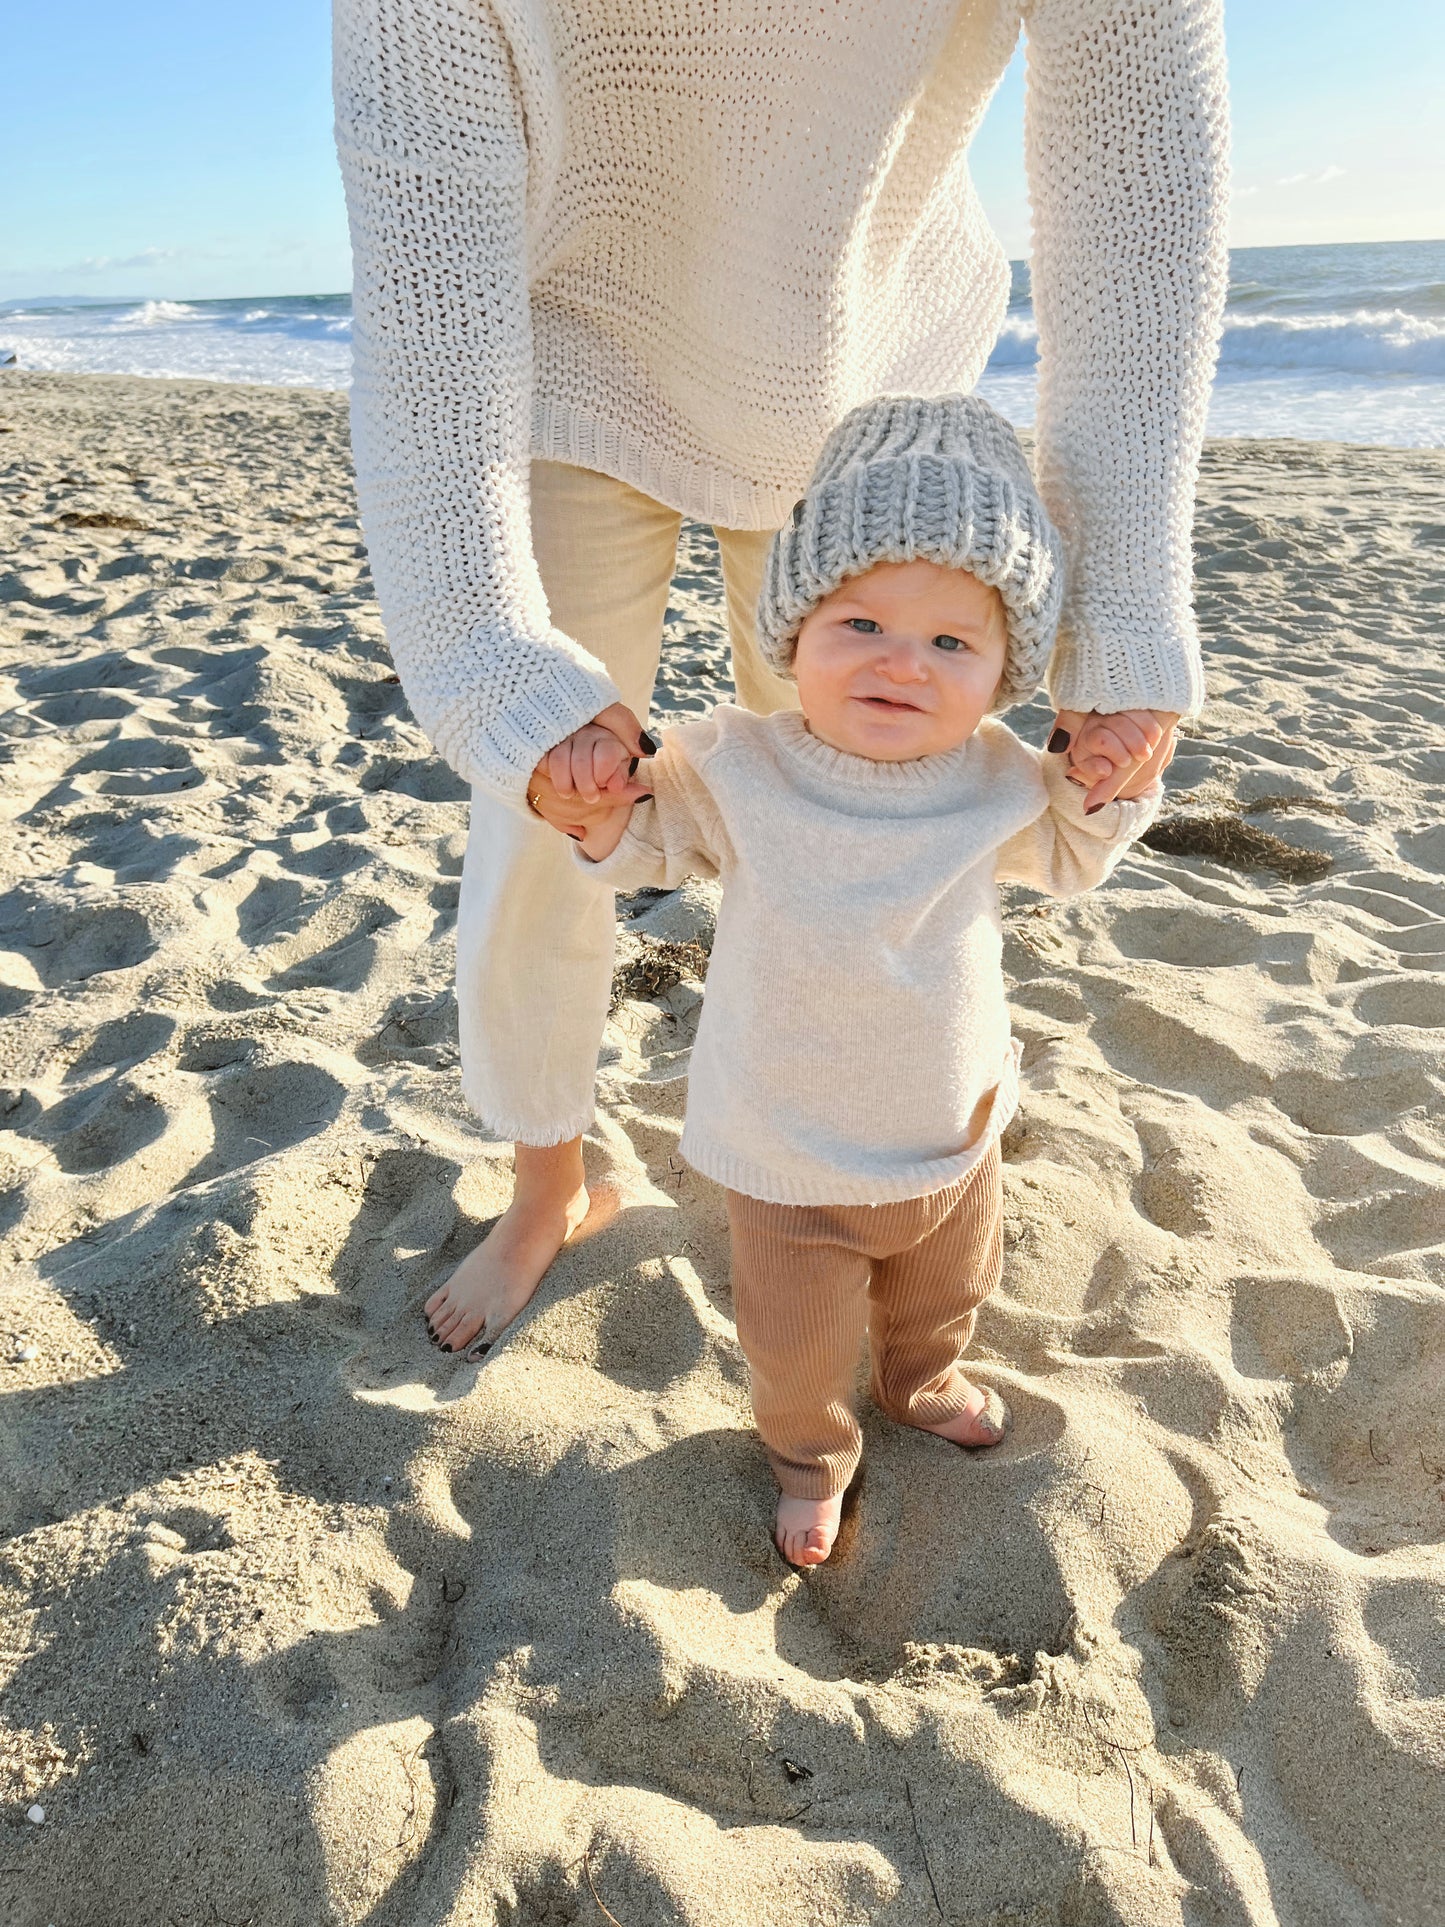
x=632, y=766
x=1092, y=809
x=648, y=743
x=1058, y=742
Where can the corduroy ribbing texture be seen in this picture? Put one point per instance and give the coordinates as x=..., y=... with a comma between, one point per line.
x=908, y=478
x=810, y=1280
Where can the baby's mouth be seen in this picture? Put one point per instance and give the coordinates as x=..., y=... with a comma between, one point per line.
x=888, y=702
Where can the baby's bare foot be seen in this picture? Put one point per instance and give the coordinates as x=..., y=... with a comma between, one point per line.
x=807, y=1528
x=496, y=1281
x=983, y=1420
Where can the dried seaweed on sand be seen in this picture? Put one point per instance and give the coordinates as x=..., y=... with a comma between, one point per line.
x=1220, y=836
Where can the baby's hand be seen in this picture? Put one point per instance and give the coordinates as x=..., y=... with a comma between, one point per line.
x=598, y=826
x=590, y=765
x=1119, y=754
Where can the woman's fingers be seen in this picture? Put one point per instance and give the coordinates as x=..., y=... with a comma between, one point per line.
x=1092, y=769
x=1162, y=757
x=559, y=768
x=584, y=749
x=625, y=727
x=1122, y=740
x=1067, y=724
x=1137, y=775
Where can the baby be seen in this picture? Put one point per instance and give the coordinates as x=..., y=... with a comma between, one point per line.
x=853, y=1068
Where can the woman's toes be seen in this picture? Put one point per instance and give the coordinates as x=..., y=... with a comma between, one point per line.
x=460, y=1329
x=446, y=1325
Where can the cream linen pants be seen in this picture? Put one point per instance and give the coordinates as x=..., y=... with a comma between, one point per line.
x=535, y=935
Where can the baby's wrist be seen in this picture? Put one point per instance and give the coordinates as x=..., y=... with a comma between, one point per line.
x=601, y=836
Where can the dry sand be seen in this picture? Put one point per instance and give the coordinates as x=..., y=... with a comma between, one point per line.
x=305, y=1623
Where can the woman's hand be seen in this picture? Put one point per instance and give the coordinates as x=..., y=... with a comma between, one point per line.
x=1114, y=754
x=593, y=765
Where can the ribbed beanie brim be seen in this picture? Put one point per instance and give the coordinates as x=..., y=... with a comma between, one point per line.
x=906, y=479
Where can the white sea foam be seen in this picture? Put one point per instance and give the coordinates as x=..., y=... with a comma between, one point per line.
x=1342, y=343
x=156, y=314
x=1363, y=342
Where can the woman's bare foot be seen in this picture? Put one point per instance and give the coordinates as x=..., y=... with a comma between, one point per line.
x=493, y=1283
x=983, y=1420
x=807, y=1528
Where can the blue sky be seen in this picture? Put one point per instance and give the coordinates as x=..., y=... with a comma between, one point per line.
x=183, y=147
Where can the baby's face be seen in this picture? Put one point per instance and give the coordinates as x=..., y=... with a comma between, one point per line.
x=901, y=662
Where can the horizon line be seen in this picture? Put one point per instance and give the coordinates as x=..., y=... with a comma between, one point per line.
x=324, y=294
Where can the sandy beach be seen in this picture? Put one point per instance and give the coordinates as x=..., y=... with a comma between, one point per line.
x=302, y=1622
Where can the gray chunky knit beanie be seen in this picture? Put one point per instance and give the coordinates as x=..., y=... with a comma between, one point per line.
x=905, y=479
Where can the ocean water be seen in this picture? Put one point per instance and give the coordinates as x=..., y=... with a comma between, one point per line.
x=1343, y=343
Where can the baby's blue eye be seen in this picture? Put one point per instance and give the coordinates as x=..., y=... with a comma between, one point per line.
x=947, y=642
x=864, y=626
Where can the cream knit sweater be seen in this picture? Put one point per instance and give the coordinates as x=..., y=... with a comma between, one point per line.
x=676, y=240
x=854, y=1045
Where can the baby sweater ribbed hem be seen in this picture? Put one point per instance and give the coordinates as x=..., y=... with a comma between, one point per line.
x=821, y=1186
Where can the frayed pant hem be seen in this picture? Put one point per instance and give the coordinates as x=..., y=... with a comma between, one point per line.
x=539, y=1137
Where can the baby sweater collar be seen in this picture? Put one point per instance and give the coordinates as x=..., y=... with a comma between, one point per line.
x=882, y=786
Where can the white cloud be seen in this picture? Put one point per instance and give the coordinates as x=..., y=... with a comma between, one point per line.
x=109, y=263
x=1330, y=173
x=95, y=264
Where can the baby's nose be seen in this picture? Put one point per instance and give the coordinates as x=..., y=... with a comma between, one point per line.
x=903, y=662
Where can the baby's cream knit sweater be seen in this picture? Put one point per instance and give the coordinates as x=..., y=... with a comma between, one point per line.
x=854, y=1044
x=676, y=240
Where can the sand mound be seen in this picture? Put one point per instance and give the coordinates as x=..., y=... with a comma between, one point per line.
x=306, y=1623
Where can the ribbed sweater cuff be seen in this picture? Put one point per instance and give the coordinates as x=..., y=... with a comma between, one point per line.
x=1111, y=673
x=634, y=864
x=497, y=746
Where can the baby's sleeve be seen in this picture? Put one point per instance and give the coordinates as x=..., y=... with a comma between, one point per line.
x=1062, y=851
x=679, y=832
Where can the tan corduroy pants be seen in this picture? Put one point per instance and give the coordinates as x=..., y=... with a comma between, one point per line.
x=534, y=935
x=809, y=1280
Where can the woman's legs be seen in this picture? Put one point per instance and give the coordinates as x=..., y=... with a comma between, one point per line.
x=534, y=935
x=744, y=552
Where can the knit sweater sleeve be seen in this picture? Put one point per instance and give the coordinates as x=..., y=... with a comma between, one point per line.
x=433, y=143
x=1126, y=123
x=678, y=834
x=1064, y=852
